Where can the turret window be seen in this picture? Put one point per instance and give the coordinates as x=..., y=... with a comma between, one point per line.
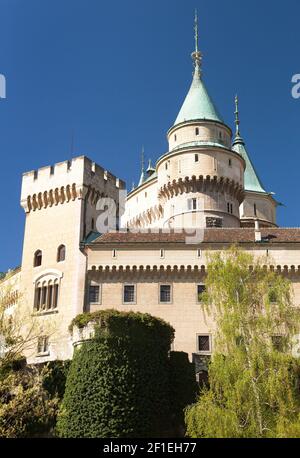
x=38, y=256
x=254, y=209
x=229, y=162
x=197, y=131
x=175, y=137
x=196, y=157
x=192, y=204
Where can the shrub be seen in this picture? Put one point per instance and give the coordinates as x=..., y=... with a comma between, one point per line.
x=118, y=383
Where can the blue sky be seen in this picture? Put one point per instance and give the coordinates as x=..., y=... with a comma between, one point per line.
x=116, y=73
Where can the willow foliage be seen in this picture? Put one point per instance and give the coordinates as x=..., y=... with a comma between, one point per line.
x=253, y=377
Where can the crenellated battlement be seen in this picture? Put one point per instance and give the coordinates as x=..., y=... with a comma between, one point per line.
x=66, y=181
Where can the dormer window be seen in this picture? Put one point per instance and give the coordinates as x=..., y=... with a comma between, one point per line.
x=197, y=131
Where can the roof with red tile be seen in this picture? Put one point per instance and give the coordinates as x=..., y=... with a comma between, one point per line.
x=212, y=235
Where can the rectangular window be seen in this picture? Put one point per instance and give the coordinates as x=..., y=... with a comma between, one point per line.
x=114, y=253
x=200, y=291
x=204, y=343
x=192, y=204
x=165, y=293
x=129, y=294
x=196, y=158
x=199, y=253
x=94, y=294
x=43, y=345
x=162, y=253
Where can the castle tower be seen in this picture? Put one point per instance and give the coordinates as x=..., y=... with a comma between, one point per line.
x=200, y=173
x=60, y=206
x=258, y=204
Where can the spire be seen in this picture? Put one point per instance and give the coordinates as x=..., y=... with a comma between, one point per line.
x=237, y=138
x=237, y=120
x=197, y=104
x=251, y=179
x=142, y=177
x=197, y=55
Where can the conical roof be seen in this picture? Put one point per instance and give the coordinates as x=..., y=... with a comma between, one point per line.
x=251, y=179
x=197, y=104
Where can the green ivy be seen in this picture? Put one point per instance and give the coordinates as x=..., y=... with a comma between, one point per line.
x=118, y=383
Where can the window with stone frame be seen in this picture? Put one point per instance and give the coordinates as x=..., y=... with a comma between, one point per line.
x=200, y=291
x=38, y=257
x=129, y=294
x=61, y=253
x=94, y=294
x=43, y=345
x=204, y=343
x=46, y=295
x=165, y=293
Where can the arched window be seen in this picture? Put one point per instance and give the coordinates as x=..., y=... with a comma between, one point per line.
x=38, y=256
x=47, y=292
x=61, y=253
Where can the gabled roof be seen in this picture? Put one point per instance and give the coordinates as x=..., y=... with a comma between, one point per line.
x=197, y=104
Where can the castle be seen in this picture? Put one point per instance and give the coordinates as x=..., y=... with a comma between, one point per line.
x=202, y=195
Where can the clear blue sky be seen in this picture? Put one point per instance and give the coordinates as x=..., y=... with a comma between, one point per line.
x=116, y=73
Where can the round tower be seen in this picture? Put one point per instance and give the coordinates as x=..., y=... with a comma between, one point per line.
x=200, y=179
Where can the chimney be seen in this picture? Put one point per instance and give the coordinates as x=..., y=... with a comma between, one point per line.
x=257, y=231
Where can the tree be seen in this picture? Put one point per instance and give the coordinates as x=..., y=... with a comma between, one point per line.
x=118, y=382
x=253, y=389
x=26, y=408
x=19, y=330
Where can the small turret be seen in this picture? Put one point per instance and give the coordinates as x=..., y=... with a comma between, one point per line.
x=258, y=205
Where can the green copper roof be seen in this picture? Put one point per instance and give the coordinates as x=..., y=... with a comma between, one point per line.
x=197, y=104
x=252, y=181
